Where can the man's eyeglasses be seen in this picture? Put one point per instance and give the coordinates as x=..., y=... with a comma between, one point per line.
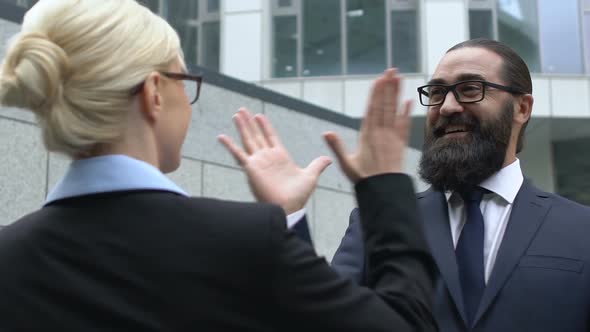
x=192, y=85
x=465, y=92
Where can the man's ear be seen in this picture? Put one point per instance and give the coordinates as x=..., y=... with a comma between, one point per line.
x=523, y=109
x=152, y=100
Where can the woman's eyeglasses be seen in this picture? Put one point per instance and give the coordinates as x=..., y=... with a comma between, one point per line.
x=192, y=85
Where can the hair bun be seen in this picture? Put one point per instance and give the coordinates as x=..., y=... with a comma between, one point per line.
x=33, y=74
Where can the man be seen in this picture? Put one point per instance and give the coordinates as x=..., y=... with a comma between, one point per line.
x=512, y=259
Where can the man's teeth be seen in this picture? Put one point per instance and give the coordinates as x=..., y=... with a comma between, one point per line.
x=452, y=129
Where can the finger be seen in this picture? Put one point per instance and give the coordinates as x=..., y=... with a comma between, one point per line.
x=245, y=135
x=408, y=107
x=254, y=128
x=391, y=99
x=239, y=155
x=246, y=131
x=257, y=130
x=337, y=146
x=344, y=160
x=403, y=123
x=318, y=165
x=374, y=115
x=270, y=135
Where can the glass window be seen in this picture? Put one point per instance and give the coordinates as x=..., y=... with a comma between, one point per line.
x=182, y=15
x=212, y=6
x=285, y=46
x=287, y=3
x=404, y=40
x=481, y=24
x=211, y=45
x=518, y=28
x=21, y=3
x=365, y=23
x=199, y=31
x=571, y=163
x=587, y=39
x=15, y=2
x=322, y=47
x=309, y=37
x=153, y=5
x=560, y=31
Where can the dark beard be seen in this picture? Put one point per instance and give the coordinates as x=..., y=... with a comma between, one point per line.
x=460, y=164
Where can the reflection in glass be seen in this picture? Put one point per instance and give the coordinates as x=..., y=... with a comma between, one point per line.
x=182, y=15
x=404, y=40
x=211, y=45
x=285, y=46
x=321, y=38
x=561, y=47
x=518, y=28
x=480, y=24
x=365, y=23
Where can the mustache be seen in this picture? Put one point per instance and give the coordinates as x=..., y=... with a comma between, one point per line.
x=462, y=119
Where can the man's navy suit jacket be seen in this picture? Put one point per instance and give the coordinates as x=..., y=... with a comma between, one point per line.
x=541, y=277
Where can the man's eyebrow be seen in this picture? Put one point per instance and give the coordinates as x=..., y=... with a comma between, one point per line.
x=467, y=77
x=462, y=77
x=437, y=81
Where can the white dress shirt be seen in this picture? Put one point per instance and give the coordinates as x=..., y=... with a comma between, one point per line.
x=495, y=208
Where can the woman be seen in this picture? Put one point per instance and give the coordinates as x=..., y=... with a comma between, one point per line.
x=119, y=246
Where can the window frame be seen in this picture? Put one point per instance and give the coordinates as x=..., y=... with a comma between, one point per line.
x=485, y=5
x=203, y=16
x=293, y=10
x=585, y=10
x=296, y=10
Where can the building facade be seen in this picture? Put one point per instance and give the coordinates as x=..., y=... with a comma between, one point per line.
x=326, y=53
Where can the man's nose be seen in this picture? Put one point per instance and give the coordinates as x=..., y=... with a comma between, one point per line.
x=450, y=105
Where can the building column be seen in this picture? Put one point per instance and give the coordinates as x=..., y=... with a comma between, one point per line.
x=445, y=24
x=241, y=39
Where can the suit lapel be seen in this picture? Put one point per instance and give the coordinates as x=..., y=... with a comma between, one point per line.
x=435, y=215
x=529, y=211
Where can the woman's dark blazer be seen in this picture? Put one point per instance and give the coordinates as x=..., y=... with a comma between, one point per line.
x=157, y=261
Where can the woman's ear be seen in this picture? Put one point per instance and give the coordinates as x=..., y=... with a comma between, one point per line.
x=152, y=99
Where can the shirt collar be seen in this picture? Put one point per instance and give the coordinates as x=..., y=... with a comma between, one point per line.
x=505, y=183
x=108, y=174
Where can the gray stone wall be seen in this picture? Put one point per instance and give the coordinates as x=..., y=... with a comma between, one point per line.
x=28, y=171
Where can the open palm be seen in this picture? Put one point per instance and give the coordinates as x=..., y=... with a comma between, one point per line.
x=273, y=175
x=275, y=178
x=383, y=136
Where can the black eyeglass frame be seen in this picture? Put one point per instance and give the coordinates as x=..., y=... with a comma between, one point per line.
x=175, y=76
x=452, y=87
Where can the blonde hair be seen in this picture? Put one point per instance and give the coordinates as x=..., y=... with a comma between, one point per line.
x=76, y=61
